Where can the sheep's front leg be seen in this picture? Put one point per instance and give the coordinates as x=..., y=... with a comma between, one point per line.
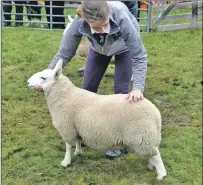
x=67, y=159
x=78, y=148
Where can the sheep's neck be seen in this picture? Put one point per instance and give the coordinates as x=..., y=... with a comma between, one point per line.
x=64, y=92
x=60, y=89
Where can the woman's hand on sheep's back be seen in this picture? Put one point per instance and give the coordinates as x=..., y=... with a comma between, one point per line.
x=134, y=96
x=39, y=89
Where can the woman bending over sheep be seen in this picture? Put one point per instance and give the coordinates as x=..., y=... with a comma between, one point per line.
x=112, y=31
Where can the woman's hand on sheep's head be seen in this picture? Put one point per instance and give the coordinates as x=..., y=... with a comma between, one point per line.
x=40, y=90
x=134, y=96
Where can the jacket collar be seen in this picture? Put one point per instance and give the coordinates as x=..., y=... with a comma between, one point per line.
x=85, y=28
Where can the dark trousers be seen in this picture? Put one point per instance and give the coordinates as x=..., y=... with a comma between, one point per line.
x=56, y=11
x=8, y=9
x=33, y=10
x=138, y=11
x=96, y=65
x=19, y=9
x=132, y=7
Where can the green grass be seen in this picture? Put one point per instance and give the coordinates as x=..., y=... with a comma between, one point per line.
x=31, y=147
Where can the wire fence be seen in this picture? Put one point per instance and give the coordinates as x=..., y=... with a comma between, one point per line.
x=46, y=14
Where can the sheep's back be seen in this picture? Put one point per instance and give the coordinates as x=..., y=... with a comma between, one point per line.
x=111, y=117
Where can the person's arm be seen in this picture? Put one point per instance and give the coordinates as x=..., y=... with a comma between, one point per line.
x=69, y=44
x=134, y=43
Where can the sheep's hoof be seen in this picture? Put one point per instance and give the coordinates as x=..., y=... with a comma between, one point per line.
x=150, y=166
x=160, y=177
x=65, y=164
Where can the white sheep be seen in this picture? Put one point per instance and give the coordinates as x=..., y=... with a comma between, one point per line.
x=100, y=121
x=68, y=25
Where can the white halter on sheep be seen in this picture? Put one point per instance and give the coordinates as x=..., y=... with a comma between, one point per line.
x=100, y=121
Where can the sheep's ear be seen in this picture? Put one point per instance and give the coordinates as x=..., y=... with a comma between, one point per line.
x=70, y=18
x=58, y=68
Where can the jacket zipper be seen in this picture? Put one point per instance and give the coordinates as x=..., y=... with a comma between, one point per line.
x=102, y=48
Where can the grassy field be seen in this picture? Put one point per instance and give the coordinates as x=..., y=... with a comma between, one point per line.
x=32, y=149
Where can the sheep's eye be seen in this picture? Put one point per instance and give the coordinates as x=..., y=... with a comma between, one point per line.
x=42, y=78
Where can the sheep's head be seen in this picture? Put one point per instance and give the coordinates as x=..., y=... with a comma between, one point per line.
x=46, y=78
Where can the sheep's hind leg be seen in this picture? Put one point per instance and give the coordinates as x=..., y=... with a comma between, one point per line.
x=67, y=159
x=78, y=148
x=156, y=161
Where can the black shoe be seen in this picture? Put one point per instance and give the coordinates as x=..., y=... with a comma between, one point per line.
x=124, y=151
x=112, y=154
x=83, y=145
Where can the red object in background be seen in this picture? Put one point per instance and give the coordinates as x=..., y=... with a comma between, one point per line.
x=143, y=5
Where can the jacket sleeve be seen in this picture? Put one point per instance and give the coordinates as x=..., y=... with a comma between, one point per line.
x=69, y=44
x=131, y=35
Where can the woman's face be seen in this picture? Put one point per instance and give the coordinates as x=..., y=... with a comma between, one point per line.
x=99, y=25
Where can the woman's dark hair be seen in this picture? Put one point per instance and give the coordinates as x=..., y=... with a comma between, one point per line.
x=93, y=10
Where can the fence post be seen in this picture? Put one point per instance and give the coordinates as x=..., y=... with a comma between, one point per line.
x=51, y=15
x=149, y=16
x=2, y=14
x=194, y=14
